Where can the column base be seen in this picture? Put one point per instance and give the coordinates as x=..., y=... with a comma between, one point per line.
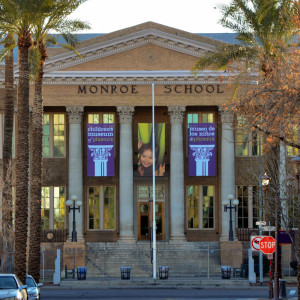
x=225, y=238
x=73, y=254
x=177, y=239
x=232, y=254
x=127, y=239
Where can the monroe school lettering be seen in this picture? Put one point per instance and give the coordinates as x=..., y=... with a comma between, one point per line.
x=193, y=89
x=107, y=89
x=133, y=89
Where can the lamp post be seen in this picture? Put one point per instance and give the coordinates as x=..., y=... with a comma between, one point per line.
x=74, y=202
x=228, y=205
x=296, y=164
x=265, y=179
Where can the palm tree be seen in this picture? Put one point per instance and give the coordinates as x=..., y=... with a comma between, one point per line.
x=17, y=18
x=55, y=20
x=261, y=26
x=7, y=53
x=264, y=29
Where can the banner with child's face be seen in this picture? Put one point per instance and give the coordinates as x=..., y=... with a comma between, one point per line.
x=202, y=149
x=100, y=149
x=145, y=149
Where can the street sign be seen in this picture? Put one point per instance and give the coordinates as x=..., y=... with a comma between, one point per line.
x=261, y=223
x=270, y=256
x=254, y=241
x=267, y=245
x=268, y=228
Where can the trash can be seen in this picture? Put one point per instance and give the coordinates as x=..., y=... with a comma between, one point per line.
x=81, y=273
x=125, y=272
x=282, y=288
x=163, y=272
x=226, y=272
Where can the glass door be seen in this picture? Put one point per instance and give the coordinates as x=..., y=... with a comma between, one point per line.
x=145, y=220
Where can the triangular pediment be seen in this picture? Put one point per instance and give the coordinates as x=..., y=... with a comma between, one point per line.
x=146, y=47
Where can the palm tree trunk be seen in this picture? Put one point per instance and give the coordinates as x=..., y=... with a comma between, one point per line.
x=36, y=173
x=7, y=145
x=22, y=159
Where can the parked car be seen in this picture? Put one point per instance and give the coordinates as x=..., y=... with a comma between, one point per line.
x=11, y=287
x=33, y=288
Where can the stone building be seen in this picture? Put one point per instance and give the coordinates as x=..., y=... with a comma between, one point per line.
x=97, y=118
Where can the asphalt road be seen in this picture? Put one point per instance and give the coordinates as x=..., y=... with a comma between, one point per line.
x=157, y=294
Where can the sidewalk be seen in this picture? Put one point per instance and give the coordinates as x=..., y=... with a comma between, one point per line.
x=171, y=282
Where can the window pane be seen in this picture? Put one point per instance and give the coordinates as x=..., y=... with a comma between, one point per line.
x=193, y=206
x=109, y=207
x=208, y=118
x=45, y=208
x=255, y=201
x=93, y=118
x=108, y=118
x=59, y=135
x=292, y=151
x=242, y=192
x=46, y=135
x=94, y=208
x=59, y=208
x=208, y=206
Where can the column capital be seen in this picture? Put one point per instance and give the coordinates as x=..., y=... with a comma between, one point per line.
x=176, y=113
x=75, y=113
x=226, y=115
x=125, y=113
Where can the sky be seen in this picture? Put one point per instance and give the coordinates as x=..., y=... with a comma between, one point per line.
x=195, y=16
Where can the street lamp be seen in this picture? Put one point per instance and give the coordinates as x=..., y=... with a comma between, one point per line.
x=296, y=165
x=74, y=202
x=265, y=180
x=228, y=205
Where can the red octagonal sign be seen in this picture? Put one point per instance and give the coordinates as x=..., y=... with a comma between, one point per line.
x=267, y=245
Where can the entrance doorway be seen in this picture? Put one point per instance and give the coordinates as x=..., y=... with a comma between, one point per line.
x=145, y=214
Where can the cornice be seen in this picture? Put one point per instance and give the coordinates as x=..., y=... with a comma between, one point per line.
x=136, y=77
x=128, y=42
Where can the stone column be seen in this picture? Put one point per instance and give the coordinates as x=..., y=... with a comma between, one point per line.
x=227, y=170
x=177, y=173
x=126, y=173
x=75, y=165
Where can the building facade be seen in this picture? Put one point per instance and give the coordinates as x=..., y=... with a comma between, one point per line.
x=97, y=132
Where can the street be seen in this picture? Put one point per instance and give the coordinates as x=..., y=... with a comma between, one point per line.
x=158, y=294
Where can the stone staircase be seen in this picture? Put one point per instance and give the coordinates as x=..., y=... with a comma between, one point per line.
x=186, y=259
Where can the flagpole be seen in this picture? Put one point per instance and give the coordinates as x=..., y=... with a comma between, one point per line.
x=153, y=189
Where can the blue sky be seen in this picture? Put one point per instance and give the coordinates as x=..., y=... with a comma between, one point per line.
x=196, y=16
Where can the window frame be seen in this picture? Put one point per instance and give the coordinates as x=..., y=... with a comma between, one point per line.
x=51, y=134
x=252, y=140
x=200, y=207
x=293, y=151
x=52, y=208
x=101, y=114
x=101, y=208
x=253, y=206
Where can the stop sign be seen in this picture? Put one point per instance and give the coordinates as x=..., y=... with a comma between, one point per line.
x=267, y=245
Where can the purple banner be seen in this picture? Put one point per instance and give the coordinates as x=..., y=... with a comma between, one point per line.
x=285, y=238
x=100, y=150
x=202, y=149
